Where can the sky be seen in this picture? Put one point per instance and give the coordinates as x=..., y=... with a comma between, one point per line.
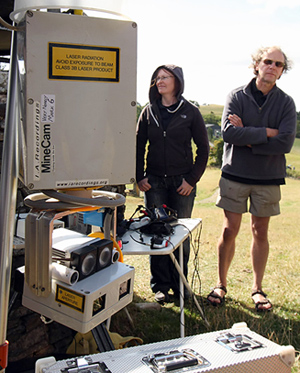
x=213, y=41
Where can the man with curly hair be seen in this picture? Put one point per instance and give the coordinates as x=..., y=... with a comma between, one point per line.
x=258, y=128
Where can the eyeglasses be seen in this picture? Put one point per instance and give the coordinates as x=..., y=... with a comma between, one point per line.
x=162, y=78
x=270, y=62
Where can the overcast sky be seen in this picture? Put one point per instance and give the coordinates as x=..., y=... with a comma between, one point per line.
x=213, y=41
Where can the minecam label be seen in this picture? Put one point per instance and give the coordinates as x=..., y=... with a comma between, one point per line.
x=47, y=108
x=43, y=147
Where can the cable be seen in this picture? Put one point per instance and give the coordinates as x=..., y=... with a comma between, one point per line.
x=195, y=246
x=40, y=201
x=102, y=198
x=139, y=242
x=64, y=201
x=9, y=26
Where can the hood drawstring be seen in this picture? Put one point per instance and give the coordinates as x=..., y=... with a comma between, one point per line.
x=174, y=111
x=155, y=120
x=170, y=111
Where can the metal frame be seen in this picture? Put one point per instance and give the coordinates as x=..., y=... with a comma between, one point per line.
x=8, y=190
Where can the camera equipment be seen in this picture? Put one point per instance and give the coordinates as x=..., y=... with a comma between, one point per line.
x=103, y=287
x=85, y=254
x=158, y=242
x=159, y=228
x=165, y=213
x=140, y=223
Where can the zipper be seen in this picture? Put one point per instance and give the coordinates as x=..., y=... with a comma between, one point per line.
x=165, y=161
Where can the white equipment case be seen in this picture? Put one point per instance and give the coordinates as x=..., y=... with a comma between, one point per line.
x=78, y=74
x=235, y=350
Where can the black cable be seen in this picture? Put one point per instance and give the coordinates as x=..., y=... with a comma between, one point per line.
x=140, y=242
x=195, y=246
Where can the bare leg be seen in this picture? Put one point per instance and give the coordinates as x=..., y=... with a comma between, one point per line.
x=259, y=254
x=226, y=249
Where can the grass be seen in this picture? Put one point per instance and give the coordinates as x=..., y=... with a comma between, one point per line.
x=211, y=108
x=293, y=160
x=281, y=282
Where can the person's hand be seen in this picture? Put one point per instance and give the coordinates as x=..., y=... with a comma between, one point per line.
x=271, y=132
x=235, y=120
x=143, y=185
x=185, y=188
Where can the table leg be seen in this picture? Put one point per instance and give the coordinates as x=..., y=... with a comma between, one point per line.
x=183, y=281
x=181, y=294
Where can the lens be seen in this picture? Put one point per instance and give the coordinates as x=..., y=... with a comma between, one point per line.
x=277, y=63
x=105, y=257
x=88, y=264
x=74, y=278
x=268, y=62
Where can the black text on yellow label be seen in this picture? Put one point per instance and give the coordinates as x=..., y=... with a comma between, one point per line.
x=70, y=298
x=82, y=62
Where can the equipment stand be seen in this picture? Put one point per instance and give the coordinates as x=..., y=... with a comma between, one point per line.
x=102, y=338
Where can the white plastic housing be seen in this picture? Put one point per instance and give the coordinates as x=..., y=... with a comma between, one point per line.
x=78, y=74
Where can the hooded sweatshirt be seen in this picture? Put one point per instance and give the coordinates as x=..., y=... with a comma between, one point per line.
x=170, y=149
x=264, y=160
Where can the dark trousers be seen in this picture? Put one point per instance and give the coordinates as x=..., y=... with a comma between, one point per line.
x=164, y=275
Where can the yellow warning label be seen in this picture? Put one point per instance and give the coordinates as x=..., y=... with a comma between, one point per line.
x=81, y=62
x=70, y=298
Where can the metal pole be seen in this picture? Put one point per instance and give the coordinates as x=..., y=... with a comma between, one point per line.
x=181, y=294
x=187, y=285
x=8, y=189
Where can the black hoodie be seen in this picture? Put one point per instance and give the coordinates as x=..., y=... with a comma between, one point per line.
x=170, y=151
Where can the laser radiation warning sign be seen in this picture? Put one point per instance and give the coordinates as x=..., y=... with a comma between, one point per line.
x=70, y=298
x=81, y=62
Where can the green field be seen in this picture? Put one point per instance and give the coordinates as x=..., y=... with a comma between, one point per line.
x=211, y=108
x=293, y=158
x=281, y=282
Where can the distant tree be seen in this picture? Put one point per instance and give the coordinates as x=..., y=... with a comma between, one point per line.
x=195, y=103
x=216, y=152
x=212, y=119
x=210, y=133
x=298, y=125
x=139, y=109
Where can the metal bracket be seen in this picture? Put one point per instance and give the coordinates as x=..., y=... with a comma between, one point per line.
x=85, y=365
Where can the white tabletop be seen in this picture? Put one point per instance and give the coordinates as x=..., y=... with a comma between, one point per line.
x=131, y=244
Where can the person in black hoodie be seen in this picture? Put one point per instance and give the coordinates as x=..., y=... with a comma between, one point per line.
x=166, y=128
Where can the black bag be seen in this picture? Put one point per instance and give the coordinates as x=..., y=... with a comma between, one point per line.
x=158, y=228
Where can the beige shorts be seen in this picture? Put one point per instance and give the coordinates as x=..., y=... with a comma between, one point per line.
x=263, y=199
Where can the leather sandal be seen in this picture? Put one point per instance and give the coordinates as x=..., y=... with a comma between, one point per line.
x=213, y=294
x=258, y=304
